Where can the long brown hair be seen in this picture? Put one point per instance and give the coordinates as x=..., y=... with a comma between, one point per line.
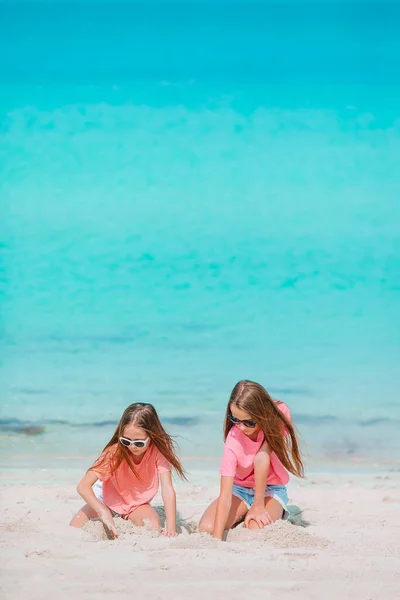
x=144, y=416
x=256, y=401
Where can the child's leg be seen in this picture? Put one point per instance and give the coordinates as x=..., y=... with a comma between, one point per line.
x=82, y=516
x=274, y=509
x=236, y=514
x=146, y=515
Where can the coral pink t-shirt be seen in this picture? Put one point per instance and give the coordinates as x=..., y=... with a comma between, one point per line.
x=238, y=457
x=123, y=491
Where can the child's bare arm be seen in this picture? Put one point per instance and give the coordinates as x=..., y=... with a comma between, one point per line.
x=169, y=499
x=84, y=489
x=223, y=506
x=258, y=512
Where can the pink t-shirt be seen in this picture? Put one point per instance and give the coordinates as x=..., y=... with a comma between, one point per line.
x=238, y=457
x=123, y=491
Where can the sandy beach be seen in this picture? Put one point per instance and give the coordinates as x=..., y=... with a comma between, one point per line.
x=195, y=193
x=349, y=547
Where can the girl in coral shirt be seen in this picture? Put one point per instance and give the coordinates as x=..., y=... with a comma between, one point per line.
x=260, y=450
x=124, y=479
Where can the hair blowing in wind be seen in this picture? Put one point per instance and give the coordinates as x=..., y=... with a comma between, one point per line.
x=279, y=432
x=144, y=416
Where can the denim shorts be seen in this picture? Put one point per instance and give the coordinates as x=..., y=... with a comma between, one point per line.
x=279, y=492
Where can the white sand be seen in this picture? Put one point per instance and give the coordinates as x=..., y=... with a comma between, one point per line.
x=350, y=550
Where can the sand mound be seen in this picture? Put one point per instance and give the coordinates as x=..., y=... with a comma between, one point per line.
x=96, y=532
x=280, y=534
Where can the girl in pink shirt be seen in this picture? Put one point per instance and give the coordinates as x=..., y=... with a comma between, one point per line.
x=124, y=479
x=260, y=451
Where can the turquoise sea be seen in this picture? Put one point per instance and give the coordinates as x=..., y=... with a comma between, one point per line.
x=193, y=193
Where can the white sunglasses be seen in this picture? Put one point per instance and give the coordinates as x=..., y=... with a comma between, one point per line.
x=137, y=443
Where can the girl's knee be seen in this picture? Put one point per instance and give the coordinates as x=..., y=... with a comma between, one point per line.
x=253, y=525
x=150, y=521
x=78, y=520
x=206, y=526
x=82, y=516
x=154, y=524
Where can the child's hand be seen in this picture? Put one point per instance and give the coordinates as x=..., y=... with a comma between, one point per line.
x=108, y=522
x=259, y=514
x=169, y=531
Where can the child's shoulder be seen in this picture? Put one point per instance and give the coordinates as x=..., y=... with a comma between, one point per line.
x=107, y=457
x=158, y=459
x=285, y=410
x=110, y=451
x=105, y=464
x=233, y=439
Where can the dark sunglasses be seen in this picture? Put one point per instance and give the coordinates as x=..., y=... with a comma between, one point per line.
x=245, y=422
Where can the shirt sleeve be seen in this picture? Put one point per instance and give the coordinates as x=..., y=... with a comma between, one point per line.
x=162, y=464
x=229, y=461
x=102, y=466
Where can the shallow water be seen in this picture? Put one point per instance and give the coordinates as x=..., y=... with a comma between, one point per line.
x=194, y=195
